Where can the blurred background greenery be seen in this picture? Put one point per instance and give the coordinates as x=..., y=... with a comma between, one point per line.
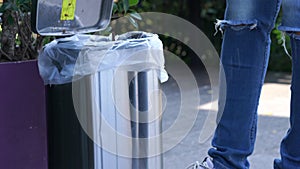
x=203, y=14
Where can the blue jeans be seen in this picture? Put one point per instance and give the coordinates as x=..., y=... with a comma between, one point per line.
x=245, y=53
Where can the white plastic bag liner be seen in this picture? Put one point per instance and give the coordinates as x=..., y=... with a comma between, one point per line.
x=69, y=59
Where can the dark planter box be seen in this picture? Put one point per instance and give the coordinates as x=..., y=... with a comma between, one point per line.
x=23, y=132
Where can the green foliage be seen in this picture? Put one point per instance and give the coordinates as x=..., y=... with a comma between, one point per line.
x=204, y=14
x=201, y=13
x=16, y=5
x=122, y=7
x=133, y=2
x=16, y=37
x=126, y=8
x=212, y=9
x=279, y=60
x=25, y=43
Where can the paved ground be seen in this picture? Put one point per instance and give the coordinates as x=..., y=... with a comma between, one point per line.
x=272, y=123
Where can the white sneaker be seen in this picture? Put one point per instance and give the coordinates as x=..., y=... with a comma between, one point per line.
x=206, y=164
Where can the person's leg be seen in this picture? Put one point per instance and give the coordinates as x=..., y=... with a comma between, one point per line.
x=290, y=145
x=244, y=56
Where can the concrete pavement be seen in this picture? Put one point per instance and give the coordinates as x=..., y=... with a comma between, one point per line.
x=273, y=123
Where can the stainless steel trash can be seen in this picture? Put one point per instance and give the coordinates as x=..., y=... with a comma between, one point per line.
x=109, y=118
x=122, y=100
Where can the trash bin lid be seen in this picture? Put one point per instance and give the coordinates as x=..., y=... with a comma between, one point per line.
x=68, y=17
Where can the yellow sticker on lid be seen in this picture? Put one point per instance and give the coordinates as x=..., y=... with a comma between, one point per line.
x=68, y=10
